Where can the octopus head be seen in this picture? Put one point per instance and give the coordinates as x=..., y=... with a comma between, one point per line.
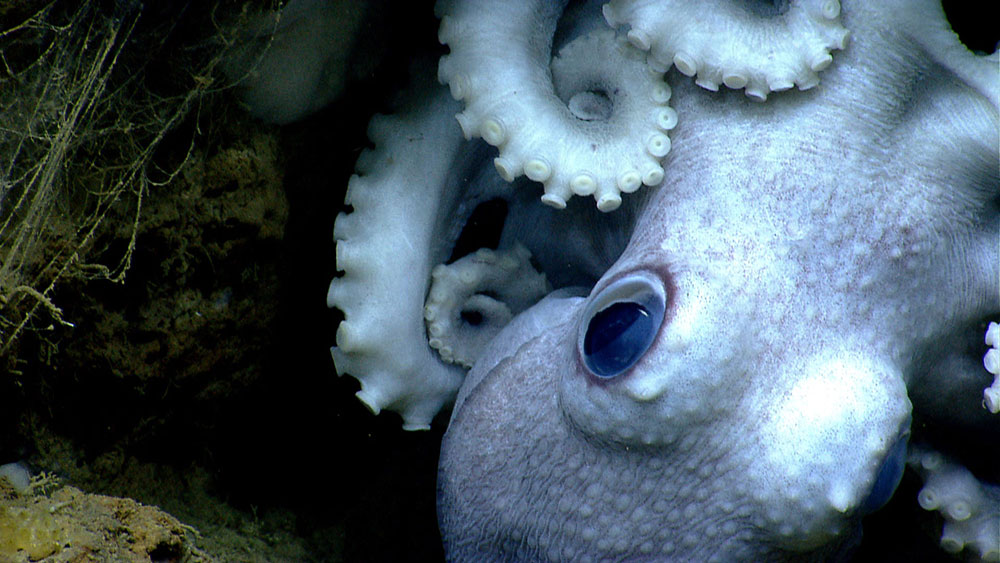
x=604, y=428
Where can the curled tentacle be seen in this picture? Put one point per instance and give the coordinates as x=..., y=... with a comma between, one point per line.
x=599, y=132
x=731, y=43
x=971, y=509
x=472, y=299
x=386, y=248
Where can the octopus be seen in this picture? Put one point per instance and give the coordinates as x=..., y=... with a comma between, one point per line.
x=696, y=280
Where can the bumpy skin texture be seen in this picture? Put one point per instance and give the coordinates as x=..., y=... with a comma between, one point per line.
x=825, y=260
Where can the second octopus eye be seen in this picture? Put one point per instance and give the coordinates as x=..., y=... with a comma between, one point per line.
x=621, y=324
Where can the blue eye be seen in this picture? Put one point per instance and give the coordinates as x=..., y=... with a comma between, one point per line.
x=623, y=321
x=616, y=337
x=888, y=476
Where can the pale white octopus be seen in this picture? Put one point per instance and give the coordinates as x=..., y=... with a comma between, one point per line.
x=731, y=360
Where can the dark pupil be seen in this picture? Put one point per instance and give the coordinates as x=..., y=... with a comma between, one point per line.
x=616, y=337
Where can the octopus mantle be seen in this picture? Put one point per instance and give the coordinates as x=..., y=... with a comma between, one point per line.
x=791, y=263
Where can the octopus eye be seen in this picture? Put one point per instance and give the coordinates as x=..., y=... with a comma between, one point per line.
x=622, y=322
x=888, y=476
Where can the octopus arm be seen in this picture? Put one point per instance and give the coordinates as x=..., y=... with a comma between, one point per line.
x=925, y=23
x=971, y=508
x=759, y=48
x=386, y=248
x=597, y=129
x=991, y=361
x=472, y=299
